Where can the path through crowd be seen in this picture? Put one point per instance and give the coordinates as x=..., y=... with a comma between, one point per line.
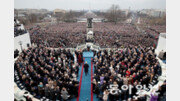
x=85, y=88
x=85, y=82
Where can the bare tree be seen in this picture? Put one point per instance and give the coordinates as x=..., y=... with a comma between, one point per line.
x=33, y=18
x=69, y=16
x=16, y=13
x=114, y=13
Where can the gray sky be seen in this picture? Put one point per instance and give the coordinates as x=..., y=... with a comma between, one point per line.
x=93, y=4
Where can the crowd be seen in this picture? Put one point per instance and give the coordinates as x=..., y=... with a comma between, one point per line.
x=159, y=28
x=117, y=35
x=17, y=29
x=128, y=66
x=105, y=35
x=52, y=73
x=154, y=31
x=59, y=35
x=46, y=72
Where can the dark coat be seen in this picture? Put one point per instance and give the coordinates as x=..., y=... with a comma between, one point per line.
x=86, y=66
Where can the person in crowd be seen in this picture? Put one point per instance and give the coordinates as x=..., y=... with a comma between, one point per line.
x=40, y=88
x=127, y=66
x=46, y=90
x=16, y=53
x=86, y=68
x=101, y=79
x=80, y=58
x=45, y=71
x=154, y=96
x=28, y=98
x=105, y=95
x=162, y=91
x=64, y=94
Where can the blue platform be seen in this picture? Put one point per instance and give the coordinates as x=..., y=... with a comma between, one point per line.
x=88, y=54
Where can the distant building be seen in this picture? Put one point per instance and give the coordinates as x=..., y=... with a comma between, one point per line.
x=153, y=12
x=90, y=14
x=51, y=19
x=56, y=11
x=32, y=11
x=129, y=20
x=125, y=11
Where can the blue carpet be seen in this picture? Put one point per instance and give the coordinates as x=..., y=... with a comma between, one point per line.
x=88, y=54
x=85, y=92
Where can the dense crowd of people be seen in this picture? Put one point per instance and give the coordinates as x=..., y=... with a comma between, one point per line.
x=128, y=66
x=155, y=30
x=52, y=73
x=159, y=28
x=59, y=35
x=105, y=35
x=46, y=72
x=117, y=35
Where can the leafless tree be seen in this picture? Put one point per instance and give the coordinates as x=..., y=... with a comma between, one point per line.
x=69, y=16
x=114, y=13
x=33, y=18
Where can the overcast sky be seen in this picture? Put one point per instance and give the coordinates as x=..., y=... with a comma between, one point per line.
x=90, y=4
